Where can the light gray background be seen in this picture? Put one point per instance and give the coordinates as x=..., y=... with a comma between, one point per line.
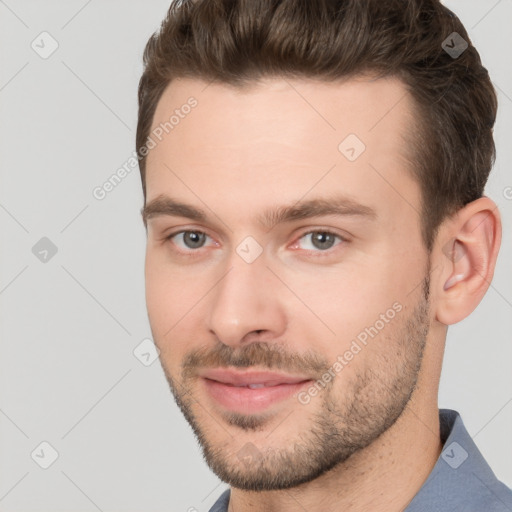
x=69, y=326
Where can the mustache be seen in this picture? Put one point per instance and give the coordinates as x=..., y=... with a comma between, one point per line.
x=259, y=354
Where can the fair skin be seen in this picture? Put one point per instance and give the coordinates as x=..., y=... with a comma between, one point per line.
x=239, y=154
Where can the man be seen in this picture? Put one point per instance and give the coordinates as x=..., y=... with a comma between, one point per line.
x=313, y=178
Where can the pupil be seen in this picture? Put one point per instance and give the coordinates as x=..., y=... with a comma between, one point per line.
x=193, y=239
x=323, y=240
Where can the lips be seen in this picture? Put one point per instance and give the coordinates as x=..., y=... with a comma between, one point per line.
x=251, y=378
x=250, y=391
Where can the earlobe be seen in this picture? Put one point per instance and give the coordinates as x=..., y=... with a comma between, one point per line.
x=471, y=251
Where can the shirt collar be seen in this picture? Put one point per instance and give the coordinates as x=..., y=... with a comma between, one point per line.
x=461, y=478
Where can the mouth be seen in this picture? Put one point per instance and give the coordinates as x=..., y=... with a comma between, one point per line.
x=250, y=392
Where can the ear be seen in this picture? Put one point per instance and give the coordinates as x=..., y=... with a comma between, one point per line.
x=466, y=251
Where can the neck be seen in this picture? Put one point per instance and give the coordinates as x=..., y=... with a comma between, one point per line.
x=384, y=476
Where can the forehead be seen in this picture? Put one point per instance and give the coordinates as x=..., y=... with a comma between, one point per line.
x=283, y=137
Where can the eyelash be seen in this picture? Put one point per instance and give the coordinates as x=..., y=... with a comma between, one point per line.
x=318, y=253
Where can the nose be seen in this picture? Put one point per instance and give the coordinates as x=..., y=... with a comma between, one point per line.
x=245, y=304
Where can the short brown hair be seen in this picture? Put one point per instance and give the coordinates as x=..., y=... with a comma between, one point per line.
x=237, y=42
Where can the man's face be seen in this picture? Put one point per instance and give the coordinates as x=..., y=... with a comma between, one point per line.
x=305, y=277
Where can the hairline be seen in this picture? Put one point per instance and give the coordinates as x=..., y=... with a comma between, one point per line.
x=413, y=139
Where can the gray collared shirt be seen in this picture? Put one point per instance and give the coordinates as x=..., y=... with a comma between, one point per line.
x=460, y=481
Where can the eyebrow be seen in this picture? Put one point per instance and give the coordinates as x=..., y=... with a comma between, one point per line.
x=338, y=205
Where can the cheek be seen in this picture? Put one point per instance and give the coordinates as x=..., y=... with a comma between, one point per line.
x=351, y=309
x=163, y=299
x=159, y=295
x=174, y=299
x=170, y=290
x=346, y=299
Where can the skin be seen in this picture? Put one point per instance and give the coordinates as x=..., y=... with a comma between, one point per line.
x=241, y=152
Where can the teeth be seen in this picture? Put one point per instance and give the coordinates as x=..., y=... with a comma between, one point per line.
x=253, y=386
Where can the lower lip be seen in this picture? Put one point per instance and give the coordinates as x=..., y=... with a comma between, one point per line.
x=247, y=400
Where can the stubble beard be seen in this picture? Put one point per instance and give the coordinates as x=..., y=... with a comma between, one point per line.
x=342, y=425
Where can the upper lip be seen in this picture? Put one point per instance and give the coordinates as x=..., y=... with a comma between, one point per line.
x=244, y=378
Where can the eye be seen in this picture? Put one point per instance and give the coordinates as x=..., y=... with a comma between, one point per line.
x=188, y=240
x=318, y=241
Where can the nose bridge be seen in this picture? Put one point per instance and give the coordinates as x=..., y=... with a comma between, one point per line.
x=245, y=300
